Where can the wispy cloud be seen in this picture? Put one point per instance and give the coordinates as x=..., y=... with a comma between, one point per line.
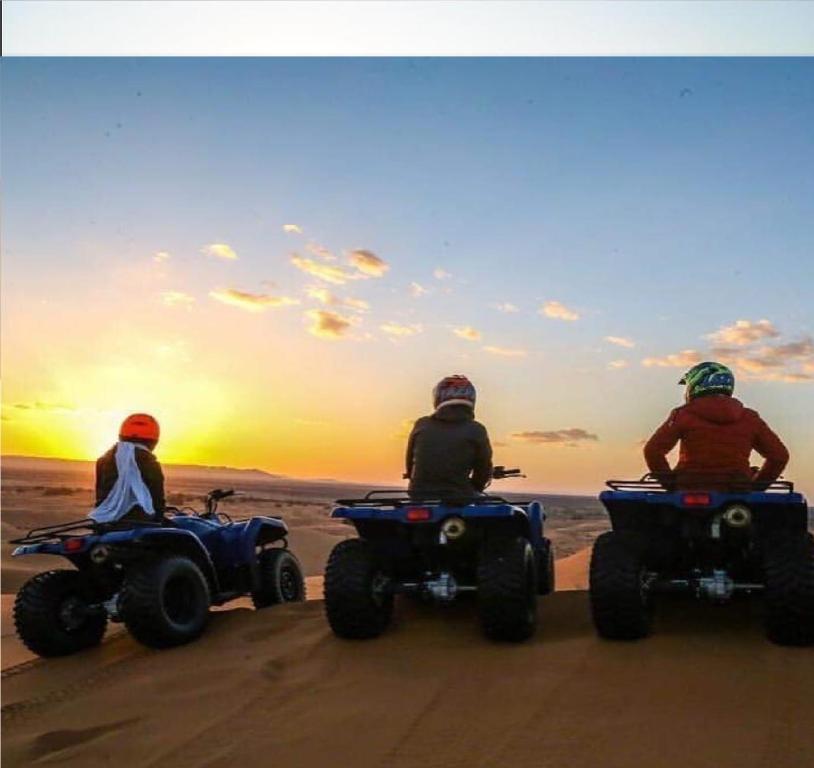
x=570, y=437
x=558, y=311
x=360, y=305
x=294, y=229
x=220, y=251
x=325, y=296
x=320, y=250
x=615, y=365
x=39, y=405
x=395, y=329
x=621, y=341
x=467, y=332
x=439, y=273
x=505, y=306
x=161, y=256
x=417, y=290
x=792, y=362
x=326, y=272
x=506, y=351
x=326, y=324
x=683, y=359
x=743, y=333
x=368, y=263
x=177, y=299
x=251, y=302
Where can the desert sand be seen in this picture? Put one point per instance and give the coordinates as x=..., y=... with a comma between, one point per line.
x=275, y=687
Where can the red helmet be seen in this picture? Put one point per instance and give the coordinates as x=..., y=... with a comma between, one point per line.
x=141, y=427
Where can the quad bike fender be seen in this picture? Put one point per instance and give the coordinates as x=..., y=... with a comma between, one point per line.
x=252, y=534
x=172, y=540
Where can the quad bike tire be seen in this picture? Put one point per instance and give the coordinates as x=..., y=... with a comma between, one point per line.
x=280, y=579
x=546, y=580
x=507, y=590
x=789, y=594
x=620, y=606
x=165, y=601
x=49, y=615
x=358, y=604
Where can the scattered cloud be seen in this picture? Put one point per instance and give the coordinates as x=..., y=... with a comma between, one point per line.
x=621, y=341
x=321, y=294
x=792, y=362
x=294, y=229
x=324, y=296
x=161, y=256
x=615, y=365
x=251, y=302
x=219, y=250
x=368, y=263
x=395, y=329
x=417, y=290
x=441, y=274
x=360, y=305
x=326, y=324
x=177, y=299
x=506, y=351
x=683, y=359
x=39, y=405
x=467, y=332
x=569, y=437
x=499, y=444
x=506, y=307
x=320, y=250
x=558, y=311
x=326, y=272
x=743, y=333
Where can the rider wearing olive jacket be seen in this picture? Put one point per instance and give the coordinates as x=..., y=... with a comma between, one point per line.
x=448, y=452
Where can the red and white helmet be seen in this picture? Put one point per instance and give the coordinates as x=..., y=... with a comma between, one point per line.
x=454, y=390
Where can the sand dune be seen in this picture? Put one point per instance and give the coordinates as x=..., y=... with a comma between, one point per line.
x=276, y=688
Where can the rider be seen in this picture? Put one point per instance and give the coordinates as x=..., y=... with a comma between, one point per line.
x=717, y=435
x=448, y=452
x=129, y=480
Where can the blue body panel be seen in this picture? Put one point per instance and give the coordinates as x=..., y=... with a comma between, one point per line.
x=717, y=499
x=533, y=512
x=224, y=544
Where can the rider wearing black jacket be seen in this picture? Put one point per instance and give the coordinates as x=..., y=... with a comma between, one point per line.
x=448, y=453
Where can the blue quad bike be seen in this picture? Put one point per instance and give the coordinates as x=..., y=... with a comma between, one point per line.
x=437, y=549
x=709, y=544
x=159, y=578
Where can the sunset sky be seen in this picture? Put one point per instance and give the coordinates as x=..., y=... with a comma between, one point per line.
x=278, y=258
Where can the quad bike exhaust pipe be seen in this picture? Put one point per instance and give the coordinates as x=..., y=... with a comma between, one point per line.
x=737, y=516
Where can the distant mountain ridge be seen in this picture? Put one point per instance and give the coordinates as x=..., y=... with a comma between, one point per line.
x=24, y=461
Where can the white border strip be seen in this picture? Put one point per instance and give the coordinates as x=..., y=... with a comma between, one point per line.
x=406, y=27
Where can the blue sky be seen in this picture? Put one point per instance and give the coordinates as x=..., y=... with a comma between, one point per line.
x=659, y=200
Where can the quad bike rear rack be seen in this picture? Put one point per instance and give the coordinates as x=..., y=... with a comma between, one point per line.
x=664, y=483
x=77, y=528
x=400, y=498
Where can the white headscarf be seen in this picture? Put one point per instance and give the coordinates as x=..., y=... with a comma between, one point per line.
x=129, y=489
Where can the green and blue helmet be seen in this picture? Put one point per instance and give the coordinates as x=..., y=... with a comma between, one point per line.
x=708, y=378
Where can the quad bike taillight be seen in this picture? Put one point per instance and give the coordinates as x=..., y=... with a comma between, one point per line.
x=696, y=499
x=418, y=514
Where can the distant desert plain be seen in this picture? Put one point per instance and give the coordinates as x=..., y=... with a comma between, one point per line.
x=275, y=687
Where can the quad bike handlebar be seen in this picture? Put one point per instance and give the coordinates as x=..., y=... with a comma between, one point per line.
x=498, y=473
x=501, y=473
